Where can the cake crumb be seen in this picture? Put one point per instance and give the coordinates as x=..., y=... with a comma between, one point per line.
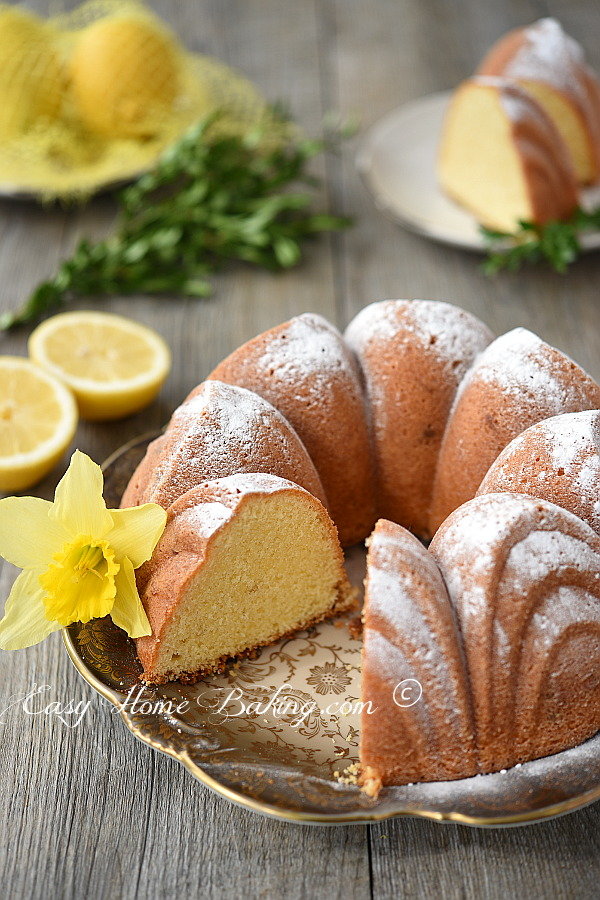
x=370, y=782
x=355, y=627
x=349, y=775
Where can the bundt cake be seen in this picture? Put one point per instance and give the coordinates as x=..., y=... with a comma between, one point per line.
x=243, y=561
x=414, y=354
x=517, y=381
x=220, y=430
x=502, y=157
x=411, y=416
x=306, y=370
x=410, y=641
x=522, y=578
x=557, y=459
x=551, y=66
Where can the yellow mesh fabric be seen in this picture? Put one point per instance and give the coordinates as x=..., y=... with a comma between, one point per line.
x=93, y=97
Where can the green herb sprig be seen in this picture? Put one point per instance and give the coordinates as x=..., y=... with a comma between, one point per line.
x=557, y=243
x=212, y=198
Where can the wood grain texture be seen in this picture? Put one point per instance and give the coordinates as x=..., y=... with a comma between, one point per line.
x=91, y=813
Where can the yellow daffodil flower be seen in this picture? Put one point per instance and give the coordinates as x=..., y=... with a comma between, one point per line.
x=78, y=558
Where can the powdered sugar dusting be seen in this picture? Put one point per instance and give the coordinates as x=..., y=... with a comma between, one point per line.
x=549, y=55
x=411, y=598
x=447, y=331
x=467, y=547
x=205, y=518
x=537, y=537
x=573, y=443
x=222, y=429
x=307, y=355
x=233, y=414
x=251, y=483
x=207, y=514
x=520, y=106
x=557, y=459
x=526, y=368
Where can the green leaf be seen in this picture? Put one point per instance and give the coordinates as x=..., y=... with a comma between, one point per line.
x=557, y=243
x=211, y=199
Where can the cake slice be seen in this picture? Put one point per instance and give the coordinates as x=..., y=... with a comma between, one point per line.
x=243, y=561
x=502, y=158
x=551, y=66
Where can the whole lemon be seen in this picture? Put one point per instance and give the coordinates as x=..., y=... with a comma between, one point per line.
x=124, y=75
x=31, y=72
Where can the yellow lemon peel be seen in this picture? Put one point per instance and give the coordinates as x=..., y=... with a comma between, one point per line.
x=117, y=90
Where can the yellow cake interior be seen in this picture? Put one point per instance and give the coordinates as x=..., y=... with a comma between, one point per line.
x=478, y=164
x=273, y=568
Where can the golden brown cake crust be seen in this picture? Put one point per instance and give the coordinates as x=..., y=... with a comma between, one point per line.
x=306, y=370
x=413, y=354
x=543, y=52
x=517, y=381
x=410, y=633
x=500, y=623
x=220, y=430
x=524, y=578
x=557, y=460
x=547, y=167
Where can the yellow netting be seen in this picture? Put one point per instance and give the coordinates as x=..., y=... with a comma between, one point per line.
x=93, y=97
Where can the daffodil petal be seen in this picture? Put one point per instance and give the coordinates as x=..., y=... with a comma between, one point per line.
x=25, y=621
x=128, y=612
x=78, y=502
x=136, y=532
x=29, y=536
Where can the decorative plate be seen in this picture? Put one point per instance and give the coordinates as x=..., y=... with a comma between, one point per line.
x=272, y=732
x=397, y=161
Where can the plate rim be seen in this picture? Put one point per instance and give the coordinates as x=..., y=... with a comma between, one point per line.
x=363, y=161
x=297, y=816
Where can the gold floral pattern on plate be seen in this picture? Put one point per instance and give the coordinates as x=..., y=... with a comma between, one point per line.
x=270, y=732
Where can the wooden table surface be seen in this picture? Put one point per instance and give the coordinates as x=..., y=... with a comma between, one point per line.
x=89, y=812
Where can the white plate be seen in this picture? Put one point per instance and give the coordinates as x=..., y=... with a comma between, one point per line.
x=398, y=163
x=284, y=766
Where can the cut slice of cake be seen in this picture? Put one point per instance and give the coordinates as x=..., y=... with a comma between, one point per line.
x=551, y=66
x=243, y=561
x=502, y=158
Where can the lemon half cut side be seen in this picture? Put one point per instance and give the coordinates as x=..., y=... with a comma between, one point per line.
x=113, y=365
x=38, y=418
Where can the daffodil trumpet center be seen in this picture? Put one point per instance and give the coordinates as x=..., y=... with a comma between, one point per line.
x=80, y=581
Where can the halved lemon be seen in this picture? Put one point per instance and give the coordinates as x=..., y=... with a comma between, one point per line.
x=113, y=365
x=38, y=417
